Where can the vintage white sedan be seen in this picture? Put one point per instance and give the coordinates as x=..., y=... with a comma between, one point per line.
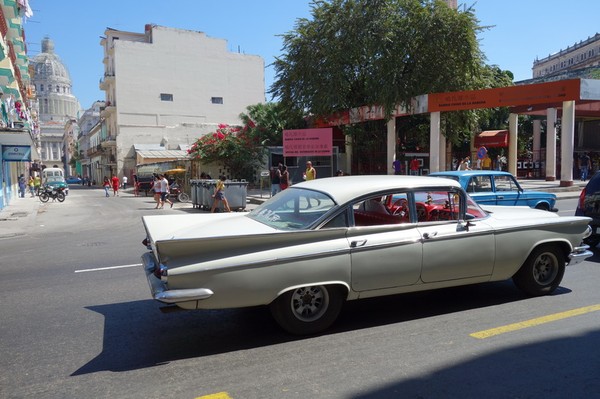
x=320, y=243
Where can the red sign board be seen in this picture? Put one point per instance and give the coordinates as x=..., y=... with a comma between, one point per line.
x=307, y=142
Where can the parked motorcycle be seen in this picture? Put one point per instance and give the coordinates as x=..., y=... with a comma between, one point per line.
x=56, y=193
x=175, y=191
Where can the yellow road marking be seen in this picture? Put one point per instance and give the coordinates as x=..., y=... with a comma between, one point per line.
x=534, y=322
x=220, y=395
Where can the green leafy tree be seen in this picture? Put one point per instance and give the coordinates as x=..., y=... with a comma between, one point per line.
x=385, y=52
x=266, y=122
x=231, y=147
x=241, y=150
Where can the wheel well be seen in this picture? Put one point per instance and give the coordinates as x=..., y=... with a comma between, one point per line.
x=339, y=285
x=543, y=206
x=564, y=247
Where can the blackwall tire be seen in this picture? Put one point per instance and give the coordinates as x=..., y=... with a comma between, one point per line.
x=44, y=197
x=308, y=310
x=542, y=272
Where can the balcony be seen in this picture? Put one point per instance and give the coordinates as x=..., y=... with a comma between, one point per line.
x=95, y=151
x=106, y=81
x=108, y=110
x=110, y=141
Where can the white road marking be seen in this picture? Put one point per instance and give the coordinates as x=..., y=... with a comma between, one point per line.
x=99, y=269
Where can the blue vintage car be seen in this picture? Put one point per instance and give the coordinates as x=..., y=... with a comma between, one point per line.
x=490, y=187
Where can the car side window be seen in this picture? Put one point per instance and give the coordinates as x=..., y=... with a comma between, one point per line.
x=381, y=210
x=479, y=184
x=505, y=183
x=437, y=205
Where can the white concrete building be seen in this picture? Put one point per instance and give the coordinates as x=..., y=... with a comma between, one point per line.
x=57, y=104
x=171, y=86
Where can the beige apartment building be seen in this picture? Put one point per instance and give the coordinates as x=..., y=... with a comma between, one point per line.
x=165, y=88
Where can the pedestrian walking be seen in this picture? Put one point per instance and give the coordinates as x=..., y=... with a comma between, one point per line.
x=106, y=186
x=31, y=185
x=219, y=195
x=164, y=192
x=585, y=165
x=285, y=178
x=156, y=188
x=414, y=167
x=310, y=173
x=22, y=185
x=124, y=182
x=115, y=185
x=275, y=180
x=37, y=183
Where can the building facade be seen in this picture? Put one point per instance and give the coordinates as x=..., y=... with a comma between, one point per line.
x=57, y=105
x=88, y=120
x=170, y=86
x=582, y=55
x=19, y=139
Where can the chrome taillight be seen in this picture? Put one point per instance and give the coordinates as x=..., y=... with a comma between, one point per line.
x=146, y=243
x=161, y=271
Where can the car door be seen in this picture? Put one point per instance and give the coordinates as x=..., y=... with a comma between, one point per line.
x=455, y=248
x=508, y=191
x=384, y=252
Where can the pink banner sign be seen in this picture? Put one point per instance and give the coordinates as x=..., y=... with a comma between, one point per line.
x=307, y=142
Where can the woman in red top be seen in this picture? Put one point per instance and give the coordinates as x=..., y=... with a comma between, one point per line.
x=115, y=185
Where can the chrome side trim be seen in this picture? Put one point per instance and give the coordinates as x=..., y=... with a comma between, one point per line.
x=579, y=254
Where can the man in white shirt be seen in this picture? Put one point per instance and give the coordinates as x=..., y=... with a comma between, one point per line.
x=164, y=192
x=124, y=182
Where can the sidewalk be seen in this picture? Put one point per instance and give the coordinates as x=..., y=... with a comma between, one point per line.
x=19, y=216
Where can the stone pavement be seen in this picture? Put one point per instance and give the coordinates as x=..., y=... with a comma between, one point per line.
x=18, y=217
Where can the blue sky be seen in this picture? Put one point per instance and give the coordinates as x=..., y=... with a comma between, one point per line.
x=520, y=30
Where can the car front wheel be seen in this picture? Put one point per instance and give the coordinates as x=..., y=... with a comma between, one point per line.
x=542, y=272
x=308, y=310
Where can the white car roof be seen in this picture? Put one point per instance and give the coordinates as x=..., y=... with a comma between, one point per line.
x=344, y=188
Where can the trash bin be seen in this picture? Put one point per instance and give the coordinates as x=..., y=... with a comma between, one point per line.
x=203, y=189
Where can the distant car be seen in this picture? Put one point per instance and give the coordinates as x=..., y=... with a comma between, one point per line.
x=319, y=243
x=491, y=187
x=589, y=205
x=73, y=180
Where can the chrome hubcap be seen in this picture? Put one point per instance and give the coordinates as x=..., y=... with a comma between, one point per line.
x=545, y=269
x=309, y=303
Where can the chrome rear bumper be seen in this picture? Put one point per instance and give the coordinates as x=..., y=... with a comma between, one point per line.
x=161, y=292
x=579, y=254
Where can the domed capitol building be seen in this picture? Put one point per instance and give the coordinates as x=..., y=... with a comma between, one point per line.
x=57, y=104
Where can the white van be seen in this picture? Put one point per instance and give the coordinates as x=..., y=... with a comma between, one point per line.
x=55, y=177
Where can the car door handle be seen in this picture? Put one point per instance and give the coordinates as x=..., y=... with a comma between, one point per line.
x=355, y=244
x=501, y=197
x=429, y=235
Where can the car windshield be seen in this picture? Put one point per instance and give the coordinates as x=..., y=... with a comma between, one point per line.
x=293, y=209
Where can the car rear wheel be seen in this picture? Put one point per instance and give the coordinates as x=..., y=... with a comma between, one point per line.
x=308, y=310
x=543, y=207
x=542, y=272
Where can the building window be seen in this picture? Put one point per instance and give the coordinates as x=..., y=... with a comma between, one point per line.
x=216, y=100
x=41, y=87
x=166, y=97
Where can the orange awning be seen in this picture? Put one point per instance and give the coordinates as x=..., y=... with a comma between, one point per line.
x=492, y=138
